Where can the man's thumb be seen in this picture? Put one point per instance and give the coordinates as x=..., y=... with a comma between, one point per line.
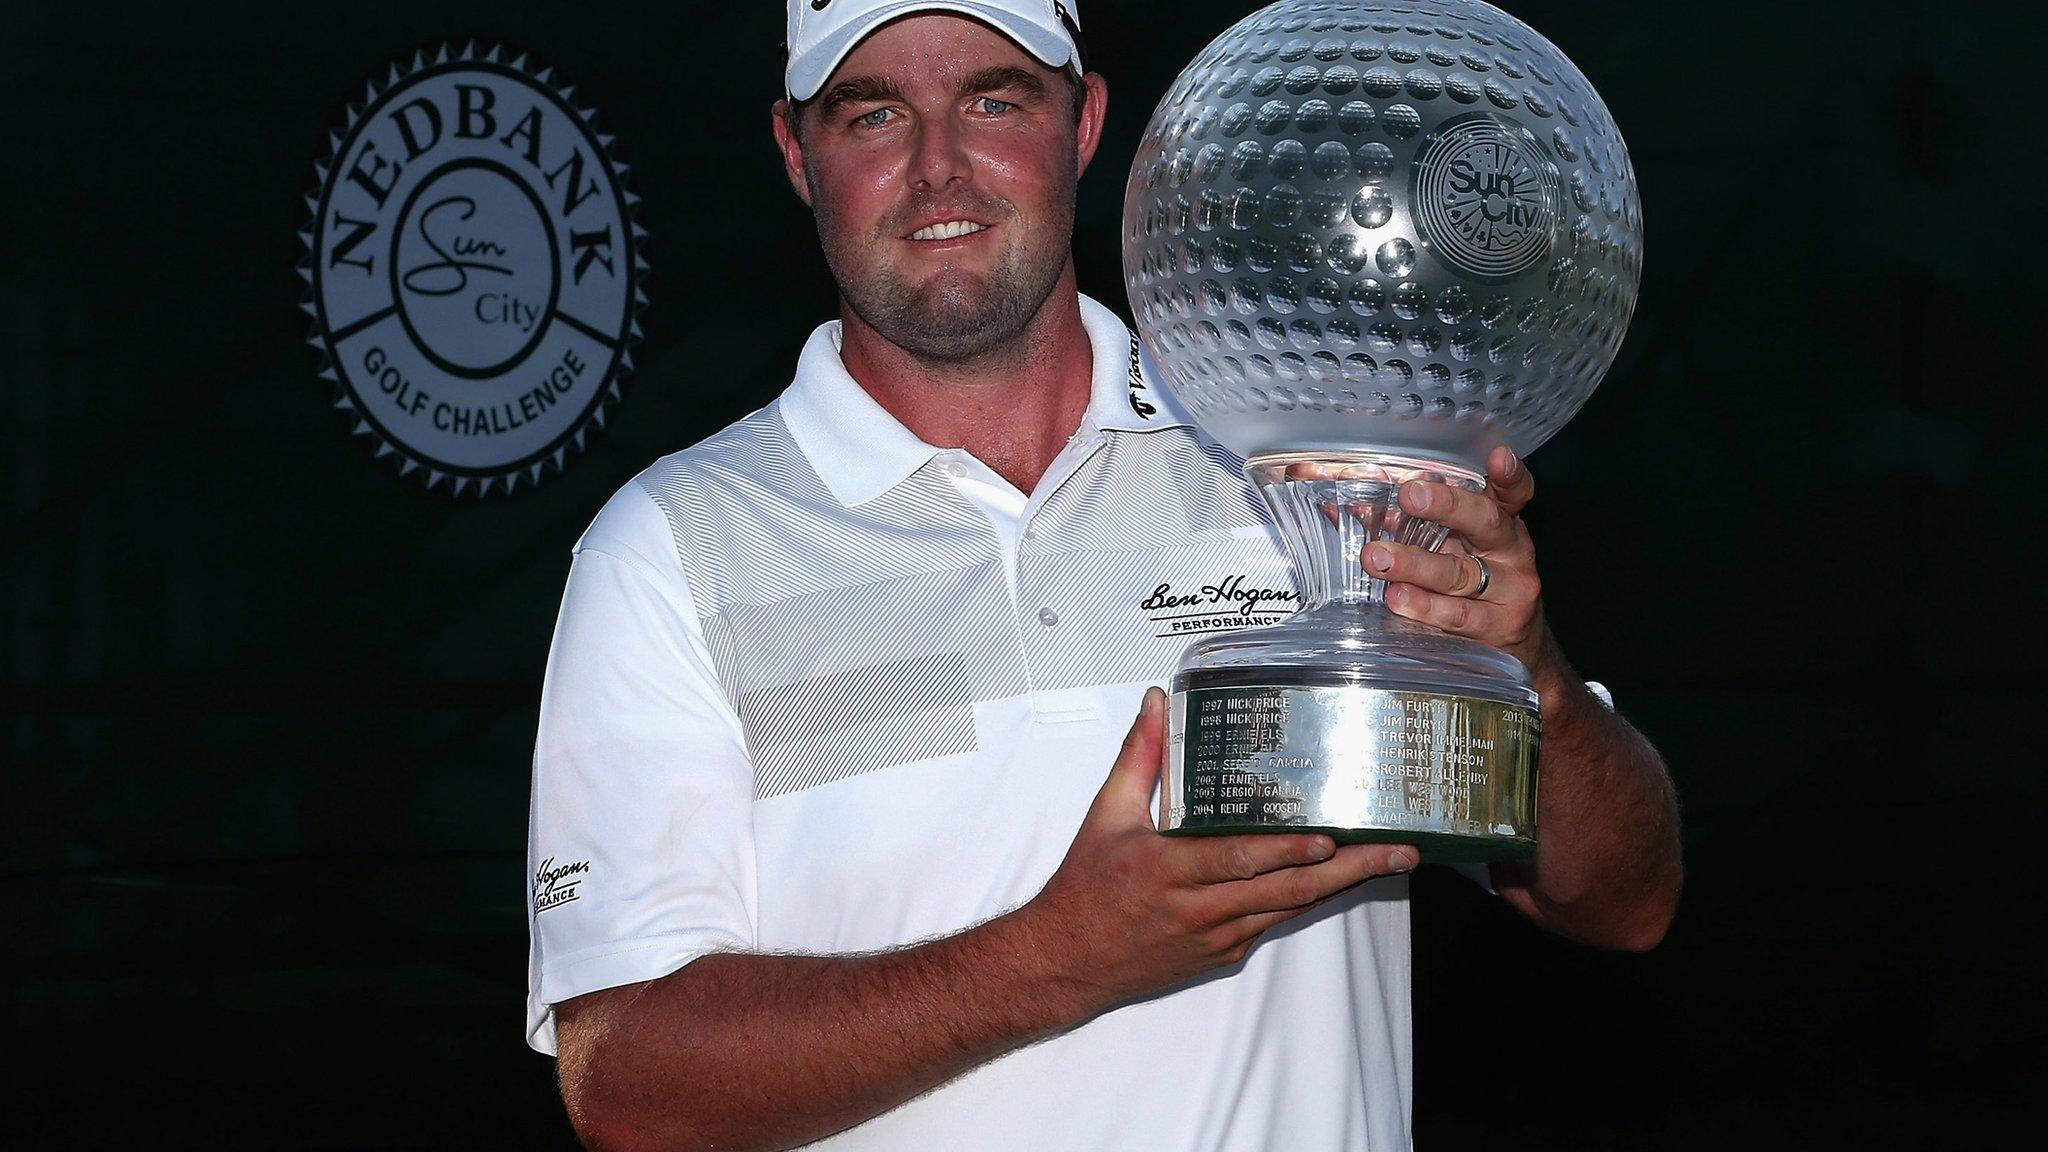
x=1129, y=787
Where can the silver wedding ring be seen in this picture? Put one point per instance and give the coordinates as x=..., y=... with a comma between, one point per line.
x=1485, y=578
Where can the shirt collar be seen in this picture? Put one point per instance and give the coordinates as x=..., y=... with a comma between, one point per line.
x=1125, y=395
x=861, y=451
x=858, y=448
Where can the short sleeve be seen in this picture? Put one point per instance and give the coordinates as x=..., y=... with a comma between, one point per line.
x=640, y=851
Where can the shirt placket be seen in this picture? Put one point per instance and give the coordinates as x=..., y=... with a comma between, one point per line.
x=1046, y=619
x=1022, y=527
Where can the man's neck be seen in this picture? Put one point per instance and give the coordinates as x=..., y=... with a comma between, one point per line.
x=1013, y=407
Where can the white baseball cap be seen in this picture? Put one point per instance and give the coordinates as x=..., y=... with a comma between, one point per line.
x=822, y=32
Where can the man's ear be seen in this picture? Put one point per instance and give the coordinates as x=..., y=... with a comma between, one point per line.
x=784, y=115
x=1094, y=107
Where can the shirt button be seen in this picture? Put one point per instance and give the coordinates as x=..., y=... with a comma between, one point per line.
x=956, y=470
x=1048, y=617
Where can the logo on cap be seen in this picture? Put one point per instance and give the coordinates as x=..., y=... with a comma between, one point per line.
x=474, y=271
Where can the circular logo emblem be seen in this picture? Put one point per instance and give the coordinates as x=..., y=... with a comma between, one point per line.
x=1484, y=198
x=474, y=270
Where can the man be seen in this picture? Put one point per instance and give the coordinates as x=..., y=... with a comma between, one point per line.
x=822, y=844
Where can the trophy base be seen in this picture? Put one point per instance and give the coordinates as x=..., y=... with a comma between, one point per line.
x=1435, y=847
x=1356, y=723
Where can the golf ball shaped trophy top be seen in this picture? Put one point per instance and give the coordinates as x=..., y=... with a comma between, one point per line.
x=1365, y=243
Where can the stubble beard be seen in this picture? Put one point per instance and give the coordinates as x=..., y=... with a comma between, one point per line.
x=954, y=315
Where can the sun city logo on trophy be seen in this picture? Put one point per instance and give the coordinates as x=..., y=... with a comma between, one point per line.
x=474, y=270
x=1486, y=206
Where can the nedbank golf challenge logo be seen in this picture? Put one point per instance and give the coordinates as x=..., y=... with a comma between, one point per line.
x=474, y=270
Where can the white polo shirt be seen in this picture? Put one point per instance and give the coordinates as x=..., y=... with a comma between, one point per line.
x=820, y=687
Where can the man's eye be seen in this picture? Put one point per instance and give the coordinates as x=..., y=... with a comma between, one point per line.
x=874, y=119
x=993, y=107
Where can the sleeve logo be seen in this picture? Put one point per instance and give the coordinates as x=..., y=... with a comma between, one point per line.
x=555, y=884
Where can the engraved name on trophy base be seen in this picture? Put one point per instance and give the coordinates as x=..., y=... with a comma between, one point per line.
x=1287, y=749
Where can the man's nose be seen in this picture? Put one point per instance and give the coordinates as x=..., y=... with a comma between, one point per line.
x=940, y=158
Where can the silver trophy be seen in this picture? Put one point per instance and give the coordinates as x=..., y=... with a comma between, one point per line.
x=1365, y=243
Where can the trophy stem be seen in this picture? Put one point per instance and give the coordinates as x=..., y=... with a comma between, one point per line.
x=1330, y=505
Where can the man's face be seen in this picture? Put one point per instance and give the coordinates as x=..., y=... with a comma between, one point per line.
x=940, y=160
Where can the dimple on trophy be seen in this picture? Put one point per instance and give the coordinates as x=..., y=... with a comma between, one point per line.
x=1366, y=242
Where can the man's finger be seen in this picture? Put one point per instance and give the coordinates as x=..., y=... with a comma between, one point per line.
x=1136, y=770
x=1284, y=892
x=1215, y=860
x=1476, y=516
x=1451, y=573
x=1510, y=480
x=1461, y=615
x=1319, y=470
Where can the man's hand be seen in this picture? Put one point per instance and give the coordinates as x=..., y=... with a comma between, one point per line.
x=1608, y=869
x=762, y=1052
x=1131, y=911
x=1437, y=587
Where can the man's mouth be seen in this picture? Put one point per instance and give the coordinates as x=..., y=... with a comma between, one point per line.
x=947, y=230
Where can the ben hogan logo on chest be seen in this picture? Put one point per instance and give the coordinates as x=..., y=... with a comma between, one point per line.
x=1231, y=603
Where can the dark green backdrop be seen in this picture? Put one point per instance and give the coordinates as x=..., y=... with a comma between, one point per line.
x=269, y=709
